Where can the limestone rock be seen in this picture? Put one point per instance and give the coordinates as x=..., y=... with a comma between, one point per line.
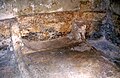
x=70, y=63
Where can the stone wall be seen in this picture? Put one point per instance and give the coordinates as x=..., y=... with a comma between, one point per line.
x=59, y=39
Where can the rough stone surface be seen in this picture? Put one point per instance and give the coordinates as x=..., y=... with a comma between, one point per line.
x=71, y=64
x=13, y=8
x=115, y=7
x=48, y=26
x=94, y=23
x=8, y=63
